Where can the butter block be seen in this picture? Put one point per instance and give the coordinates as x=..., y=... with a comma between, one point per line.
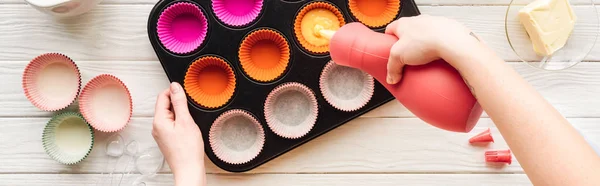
x=549, y=24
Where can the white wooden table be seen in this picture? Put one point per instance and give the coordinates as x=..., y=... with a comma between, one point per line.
x=388, y=146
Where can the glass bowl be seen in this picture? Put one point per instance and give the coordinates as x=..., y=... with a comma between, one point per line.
x=578, y=47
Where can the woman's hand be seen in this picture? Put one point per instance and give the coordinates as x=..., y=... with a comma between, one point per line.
x=515, y=107
x=178, y=137
x=423, y=39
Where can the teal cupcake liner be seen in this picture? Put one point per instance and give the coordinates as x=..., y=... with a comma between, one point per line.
x=64, y=138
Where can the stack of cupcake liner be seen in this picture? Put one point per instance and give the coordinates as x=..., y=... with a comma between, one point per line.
x=52, y=82
x=68, y=138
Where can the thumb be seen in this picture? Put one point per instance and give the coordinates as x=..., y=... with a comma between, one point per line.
x=179, y=102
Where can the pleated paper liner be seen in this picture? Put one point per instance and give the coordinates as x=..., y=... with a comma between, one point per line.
x=236, y=137
x=105, y=102
x=51, y=81
x=346, y=88
x=182, y=28
x=210, y=82
x=68, y=138
x=264, y=55
x=237, y=13
x=312, y=18
x=374, y=13
x=291, y=110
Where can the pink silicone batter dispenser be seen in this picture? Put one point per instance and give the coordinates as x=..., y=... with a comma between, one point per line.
x=435, y=92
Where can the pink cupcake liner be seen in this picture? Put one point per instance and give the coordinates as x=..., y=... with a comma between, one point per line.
x=237, y=12
x=182, y=28
x=51, y=81
x=236, y=137
x=105, y=102
x=346, y=89
x=291, y=110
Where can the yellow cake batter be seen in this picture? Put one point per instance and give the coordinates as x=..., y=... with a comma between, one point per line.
x=316, y=20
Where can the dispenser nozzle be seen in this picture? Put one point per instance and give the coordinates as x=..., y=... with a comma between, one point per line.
x=327, y=33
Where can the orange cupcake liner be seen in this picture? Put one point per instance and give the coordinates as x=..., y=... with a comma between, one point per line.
x=31, y=85
x=197, y=85
x=104, y=116
x=287, y=130
x=363, y=11
x=264, y=40
x=236, y=155
x=298, y=25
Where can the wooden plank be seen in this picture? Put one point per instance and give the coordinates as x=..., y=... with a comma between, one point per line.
x=281, y=179
x=119, y=32
x=364, y=145
x=573, y=92
x=419, y=2
x=107, y=33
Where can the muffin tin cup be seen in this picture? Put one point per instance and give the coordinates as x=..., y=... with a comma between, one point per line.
x=237, y=13
x=68, y=138
x=291, y=110
x=250, y=94
x=210, y=82
x=374, y=13
x=345, y=88
x=264, y=55
x=303, y=28
x=105, y=103
x=182, y=27
x=236, y=137
x=51, y=81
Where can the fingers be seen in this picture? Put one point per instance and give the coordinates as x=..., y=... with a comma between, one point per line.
x=162, y=115
x=163, y=104
x=179, y=102
x=397, y=27
x=396, y=62
x=391, y=28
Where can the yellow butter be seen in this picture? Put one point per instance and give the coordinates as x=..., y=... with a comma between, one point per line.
x=549, y=24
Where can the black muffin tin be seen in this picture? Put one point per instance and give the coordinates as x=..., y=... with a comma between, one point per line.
x=304, y=67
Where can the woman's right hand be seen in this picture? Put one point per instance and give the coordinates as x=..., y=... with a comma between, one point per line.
x=423, y=39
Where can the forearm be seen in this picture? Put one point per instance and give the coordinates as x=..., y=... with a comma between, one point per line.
x=192, y=176
x=548, y=148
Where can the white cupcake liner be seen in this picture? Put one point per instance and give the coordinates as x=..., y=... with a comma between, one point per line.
x=227, y=153
x=363, y=88
x=278, y=112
